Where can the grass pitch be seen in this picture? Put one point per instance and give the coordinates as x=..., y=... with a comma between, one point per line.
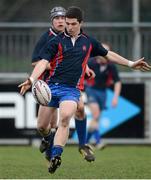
x=114, y=162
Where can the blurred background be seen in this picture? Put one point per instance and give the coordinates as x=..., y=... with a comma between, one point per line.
x=124, y=24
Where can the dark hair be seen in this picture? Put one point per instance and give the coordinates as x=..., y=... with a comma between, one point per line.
x=75, y=12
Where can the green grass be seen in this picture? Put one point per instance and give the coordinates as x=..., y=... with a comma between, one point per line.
x=113, y=162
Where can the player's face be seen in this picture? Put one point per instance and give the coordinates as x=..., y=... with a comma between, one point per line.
x=58, y=23
x=73, y=26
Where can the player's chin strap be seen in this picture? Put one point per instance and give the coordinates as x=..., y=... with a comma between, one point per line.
x=31, y=79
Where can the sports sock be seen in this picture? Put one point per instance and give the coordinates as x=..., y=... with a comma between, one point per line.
x=57, y=151
x=89, y=135
x=96, y=136
x=81, y=130
x=51, y=140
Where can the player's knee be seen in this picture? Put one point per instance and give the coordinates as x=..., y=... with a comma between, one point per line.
x=80, y=113
x=65, y=121
x=96, y=116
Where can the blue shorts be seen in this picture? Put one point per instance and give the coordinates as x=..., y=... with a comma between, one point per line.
x=62, y=92
x=96, y=96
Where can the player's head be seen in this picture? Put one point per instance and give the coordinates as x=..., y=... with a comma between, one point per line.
x=74, y=19
x=57, y=15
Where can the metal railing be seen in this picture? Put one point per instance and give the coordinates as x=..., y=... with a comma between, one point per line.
x=17, y=41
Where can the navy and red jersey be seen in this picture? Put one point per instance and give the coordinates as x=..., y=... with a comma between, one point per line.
x=68, y=59
x=48, y=35
x=106, y=74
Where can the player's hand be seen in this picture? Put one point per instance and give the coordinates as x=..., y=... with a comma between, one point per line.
x=25, y=86
x=114, y=102
x=90, y=74
x=141, y=65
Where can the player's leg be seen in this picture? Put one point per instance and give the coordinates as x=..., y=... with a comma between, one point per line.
x=66, y=110
x=101, y=101
x=45, y=114
x=94, y=124
x=80, y=123
x=93, y=96
x=46, y=125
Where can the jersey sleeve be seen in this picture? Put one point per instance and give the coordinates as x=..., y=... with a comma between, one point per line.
x=49, y=51
x=97, y=48
x=39, y=45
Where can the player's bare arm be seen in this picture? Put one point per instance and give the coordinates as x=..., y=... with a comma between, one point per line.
x=34, y=64
x=38, y=70
x=117, y=91
x=139, y=64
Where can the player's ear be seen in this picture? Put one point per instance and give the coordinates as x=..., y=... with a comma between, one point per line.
x=81, y=23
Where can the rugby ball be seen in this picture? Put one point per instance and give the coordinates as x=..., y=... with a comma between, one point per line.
x=41, y=92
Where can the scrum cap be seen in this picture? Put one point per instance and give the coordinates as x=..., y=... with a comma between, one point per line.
x=57, y=11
